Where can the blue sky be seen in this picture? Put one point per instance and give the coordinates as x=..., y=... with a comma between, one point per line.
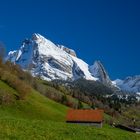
x=105, y=30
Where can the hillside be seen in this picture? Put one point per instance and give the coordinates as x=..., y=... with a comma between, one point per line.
x=48, y=130
x=26, y=112
x=38, y=117
x=35, y=106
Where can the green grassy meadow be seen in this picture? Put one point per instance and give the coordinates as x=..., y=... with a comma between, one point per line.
x=39, y=118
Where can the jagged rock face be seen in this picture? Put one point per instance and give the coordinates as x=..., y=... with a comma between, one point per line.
x=69, y=51
x=23, y=56
x=131, y=84
x=45, y=59
x=99, y=72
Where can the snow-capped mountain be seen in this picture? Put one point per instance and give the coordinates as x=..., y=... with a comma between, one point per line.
x=131, y=84
x=97, y=70
x=49, y=61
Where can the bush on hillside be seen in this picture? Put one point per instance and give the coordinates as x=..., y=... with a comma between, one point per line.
x=5, y=97
x=22, y=88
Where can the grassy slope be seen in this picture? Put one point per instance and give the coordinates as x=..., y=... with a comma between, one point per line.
x=36, y=106
x=49, y=89
x=49, y=130
x=35, y=118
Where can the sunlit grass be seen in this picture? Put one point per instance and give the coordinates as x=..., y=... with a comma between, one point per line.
x=39, y=118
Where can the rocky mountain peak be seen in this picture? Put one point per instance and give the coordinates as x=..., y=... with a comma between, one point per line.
x=49, y=61
x=37, y=36
x=131, y=84
x=98, y=71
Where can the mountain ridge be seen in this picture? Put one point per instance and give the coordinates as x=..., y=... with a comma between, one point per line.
x=58, y=61
x=49, y=61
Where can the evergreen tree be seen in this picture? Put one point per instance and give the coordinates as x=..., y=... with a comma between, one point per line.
x=93, y=106
x=80, y=105
x=64, y=99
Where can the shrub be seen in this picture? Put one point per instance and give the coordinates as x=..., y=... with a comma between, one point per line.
x=5, y=97
x=20, y=86
x=80, y=105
